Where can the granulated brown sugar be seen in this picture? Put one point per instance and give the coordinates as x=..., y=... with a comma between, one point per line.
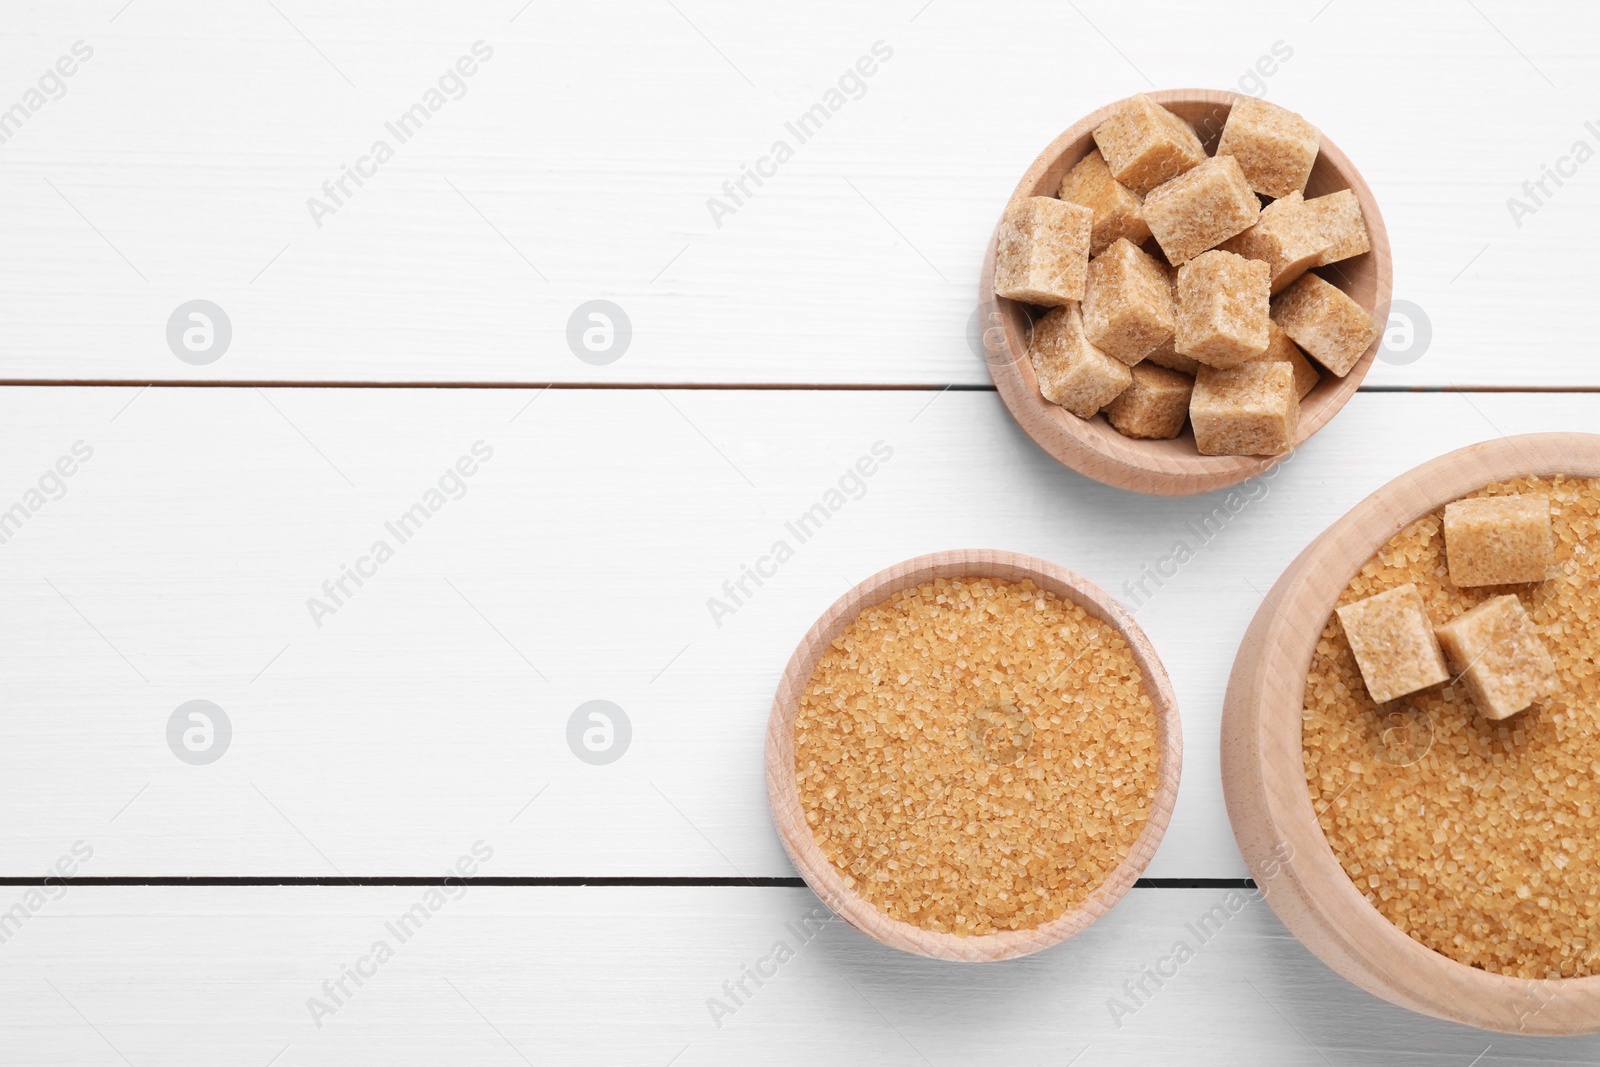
x=976, y=755
x=1476, y=837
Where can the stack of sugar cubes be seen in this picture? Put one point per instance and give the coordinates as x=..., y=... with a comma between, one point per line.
x=1494, y=647
x=1190, y=329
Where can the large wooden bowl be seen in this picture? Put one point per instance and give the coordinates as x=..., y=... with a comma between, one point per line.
x=789, y=816
x=1263, y=769
x=1169, y=468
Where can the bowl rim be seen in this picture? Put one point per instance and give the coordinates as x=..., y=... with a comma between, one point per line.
x=1263, y=771
x=783, y=795
x=1094, y=449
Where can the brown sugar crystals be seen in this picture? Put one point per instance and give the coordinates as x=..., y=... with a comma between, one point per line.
x=1475, y=836
x=974, y=755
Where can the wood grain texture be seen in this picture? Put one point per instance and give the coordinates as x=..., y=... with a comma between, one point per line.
x=594, y=138
x=788, y=814
x=1263, y=768
x=1170, y=467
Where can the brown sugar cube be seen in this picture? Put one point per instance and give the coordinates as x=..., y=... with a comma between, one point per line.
x=1275, y=147
x=1287, y=237
x=1281, y=349
x=1127, y=303
x=1042, y=253
x=1333, y=329
x=1393, y=643
x=1498, y=653
x=1499, y=540
x=1071, y=371
x=1248, y=410
x=1200, y=209
x=1118, y=210
x=1145, y=144
x=1154, y=406
x=1338, y=216
x=1222, y=307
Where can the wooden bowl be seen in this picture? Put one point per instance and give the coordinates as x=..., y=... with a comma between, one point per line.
x=1263, y=770
x=1168, y=468
x=789, y=816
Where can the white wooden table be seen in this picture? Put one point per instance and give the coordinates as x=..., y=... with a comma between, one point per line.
x=381, y=731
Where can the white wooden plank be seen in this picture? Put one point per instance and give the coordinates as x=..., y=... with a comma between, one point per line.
x=578, y=165
x=578, y=566
x=502, y=976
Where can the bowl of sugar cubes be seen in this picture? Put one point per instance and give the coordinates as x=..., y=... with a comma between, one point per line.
x=1184, y=287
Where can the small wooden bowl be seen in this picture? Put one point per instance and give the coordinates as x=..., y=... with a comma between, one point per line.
x=1263, y=768
x=784, y=796
x=1168, y=468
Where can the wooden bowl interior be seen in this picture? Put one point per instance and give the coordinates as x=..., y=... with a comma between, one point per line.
x=1264, y=770
x=789, y=816
x=1175, y=466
